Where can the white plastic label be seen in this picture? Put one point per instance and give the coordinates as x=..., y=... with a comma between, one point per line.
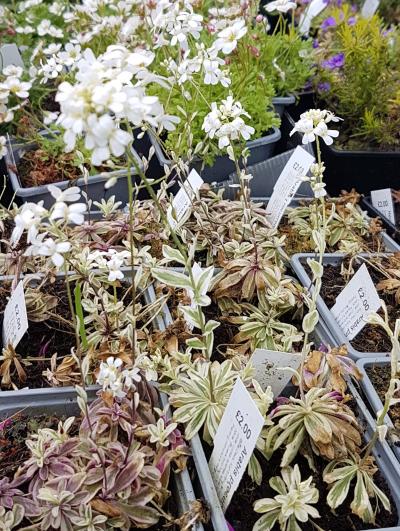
x=313, y=10
x=270, y=367
x=357, y=300
x=382, y=200
x=369, y=8
x=288, y=184
x=15, y=322
x=234, y=442
x=183, y=199
x=9, y=55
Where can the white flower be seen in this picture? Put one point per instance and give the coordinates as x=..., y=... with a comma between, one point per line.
x=319, y=189
x=52, y=49
x=15, y=86
x=28, y=218
x=12, y=71
x=283, y=6
x=326, y=134
x=306, y=127
x=116, y=260
x=213, y=74
x=69, y=195
x=71, y=55
x=69, y=213
x=110, y=376
x=131, y=376
x=50, y=248
x=3, y=148
x=228, y=37
x=49, y=70
x=49, y=117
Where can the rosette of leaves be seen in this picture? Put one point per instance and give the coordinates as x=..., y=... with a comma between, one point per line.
x=291, y=505
x=320, y=424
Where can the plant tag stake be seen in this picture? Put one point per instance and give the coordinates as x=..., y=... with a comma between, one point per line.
x=313, y=10
x=183, y=199
x=234, y=442
x=356, y=301
x=382, y=200
x=270, y=367
x=369, y=8
x=288, y=183
x=9, y=55
x=15, y=322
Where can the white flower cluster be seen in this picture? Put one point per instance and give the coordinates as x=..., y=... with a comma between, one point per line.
x=110, y=261
x=173, y=23
x=12, y=87
x=108, y=91
x=57, y=61
x=313, y=123
x=112, y=378
x=225, y=123
x=31, y=218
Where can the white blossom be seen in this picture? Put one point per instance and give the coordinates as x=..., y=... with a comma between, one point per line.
x=49, y=247
x=69, y=195
x=312, y=124
x=283, y=6
x=228, y=37
x=28, y=218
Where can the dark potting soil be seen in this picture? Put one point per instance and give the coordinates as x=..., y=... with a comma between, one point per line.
x=13, y=434
x=42, y=339
x=242, y=517
x=380, y=379
x=370, y=338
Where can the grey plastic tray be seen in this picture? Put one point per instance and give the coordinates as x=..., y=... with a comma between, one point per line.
x=94, y=186
x=260, y=149
x=280, y=102
x=298, y=261
x=372, y=396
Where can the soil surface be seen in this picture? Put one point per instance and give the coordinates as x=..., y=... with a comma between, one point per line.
x=43, y=339
x=241, y=516
x=380, y=379
x=370, y=338
x=38, y=167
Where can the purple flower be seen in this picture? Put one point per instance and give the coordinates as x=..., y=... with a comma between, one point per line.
x=351, y=21
x=315, y=43
x=324, y=87
x=336, y=61
x=329, y=22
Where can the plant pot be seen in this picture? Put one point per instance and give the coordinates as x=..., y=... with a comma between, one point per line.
x=372, y=396
x=298, y=262
x=281, y=102
x=94, y=186
x=391, y=228
x=62, y=402
x=357, y=169
x=260, y=149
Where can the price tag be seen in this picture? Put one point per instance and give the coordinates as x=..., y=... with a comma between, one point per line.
x=369, y=8
x=234, y=442
x=15, y=322
x=270, y=367
x=183, y=199
x=357, y=300
x=382, y=200
x=9, y=55
x=288, y=184
x=314, y=9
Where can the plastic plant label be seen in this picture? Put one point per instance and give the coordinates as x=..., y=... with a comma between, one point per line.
x=369, y=8
x=9, y=55
x=382, y=200
x=234, y=442
x=15, y=322
x=357, y=300
x=271, y=368
x=287, y=184
x=183, y=199
x=314, y=9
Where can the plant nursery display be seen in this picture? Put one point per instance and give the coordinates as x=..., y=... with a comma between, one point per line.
x=179, y=352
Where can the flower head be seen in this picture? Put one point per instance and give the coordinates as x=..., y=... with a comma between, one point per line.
x=228, y=37
x=283, y=6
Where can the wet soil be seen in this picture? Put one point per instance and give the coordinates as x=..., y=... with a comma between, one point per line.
x=241, y=516
x=370, y=338
x=380, y=379
x=42, y=339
